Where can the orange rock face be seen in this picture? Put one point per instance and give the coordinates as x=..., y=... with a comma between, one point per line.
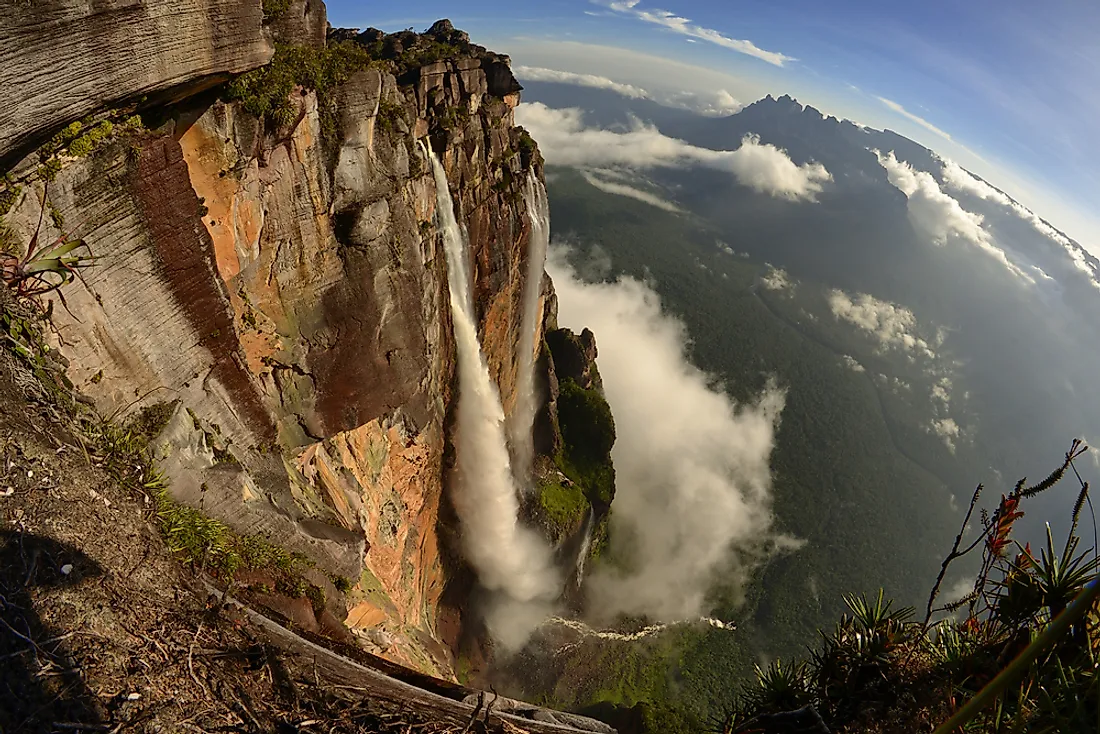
x=287, y=293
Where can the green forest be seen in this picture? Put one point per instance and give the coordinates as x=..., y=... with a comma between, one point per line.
x=875, y=496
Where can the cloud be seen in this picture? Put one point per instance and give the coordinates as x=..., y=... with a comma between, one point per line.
x=958, y=178
x=684, y=26
x=717, y=103
x=565, y=140
x=894, y=326
x=539, y=74
x=940, y=216
x=620, y=189
x=915, y=118
x=853, y=364
x=693, y=482
x=948, y=430
x=776, y=280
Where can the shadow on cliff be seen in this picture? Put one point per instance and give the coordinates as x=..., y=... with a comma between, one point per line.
x=40, y=684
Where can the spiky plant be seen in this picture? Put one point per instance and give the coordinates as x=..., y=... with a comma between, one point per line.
x=40, y=270
x=781, y=686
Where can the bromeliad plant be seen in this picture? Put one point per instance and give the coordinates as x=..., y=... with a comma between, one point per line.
x=43, y=269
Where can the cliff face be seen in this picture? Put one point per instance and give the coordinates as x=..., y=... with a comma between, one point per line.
x=64, y=59
x=280, y=284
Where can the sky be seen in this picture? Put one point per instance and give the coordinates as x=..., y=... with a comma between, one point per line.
x=1009, y=89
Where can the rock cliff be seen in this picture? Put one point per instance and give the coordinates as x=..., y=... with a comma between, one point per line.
x=268, y=274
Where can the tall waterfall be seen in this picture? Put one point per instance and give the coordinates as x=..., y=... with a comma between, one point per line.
x=509, y=558
x=527, y=399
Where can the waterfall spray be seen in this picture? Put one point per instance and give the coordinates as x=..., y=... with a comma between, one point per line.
x=527, y=401
x=509, y=558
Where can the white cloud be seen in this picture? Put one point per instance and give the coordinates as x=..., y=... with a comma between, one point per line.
x=776, y=280
x=892, y=325
x=685, y=27
x=693, y=481
x=948, y=430
x=565, y=140
x=939, y=215
x=915, y=118
x=958, y=178
x=717, y=103
x=539, y=74
x=620, y=189
x=853, y=364
x=710, y=103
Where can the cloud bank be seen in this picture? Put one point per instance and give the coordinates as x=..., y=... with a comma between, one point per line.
x=621, y=189
x=693, y=482
x=940, y=216
x=894, y=326
x=540, y=74
x=718, y=103
x=685, y=27
x=958, y=178
x=565, y=140
x=711, y=103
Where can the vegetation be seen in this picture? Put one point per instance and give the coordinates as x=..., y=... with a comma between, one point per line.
x=1024, y=657
x=588, y=433
x=564, y=506
x=37, y=271
x=275, y=9
x=854, y=473
x=265, y=92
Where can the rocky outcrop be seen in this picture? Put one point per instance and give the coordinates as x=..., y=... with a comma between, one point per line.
x=283, y=287
x=61, y=60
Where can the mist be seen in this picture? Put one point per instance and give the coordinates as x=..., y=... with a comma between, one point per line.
x=693, y=482
x=510, y=559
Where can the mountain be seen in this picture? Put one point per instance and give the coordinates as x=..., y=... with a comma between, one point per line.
x=930, y=332
x=256, y=350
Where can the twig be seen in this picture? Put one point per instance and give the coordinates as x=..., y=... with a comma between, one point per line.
x=954, y=552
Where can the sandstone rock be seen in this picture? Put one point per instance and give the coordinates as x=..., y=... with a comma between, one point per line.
x=64, y=59
x=290, y=291
x=304, y=22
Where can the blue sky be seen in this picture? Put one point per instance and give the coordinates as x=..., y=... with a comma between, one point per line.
x=1009, y=89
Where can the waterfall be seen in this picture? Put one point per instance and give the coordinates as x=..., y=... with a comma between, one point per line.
x=586, y=545
x=527, y=398
x=509, y=558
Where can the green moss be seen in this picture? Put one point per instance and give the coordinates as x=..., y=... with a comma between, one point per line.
x=564, y=507
x=91, y=139
x=588, y=433
x=152, y=419
x=316, y=596
x=49, y=169
x=342, y=583
x=55, y=216
x=9, y=197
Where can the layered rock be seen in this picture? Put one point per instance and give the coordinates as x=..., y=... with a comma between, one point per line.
x=283, y=287
x=61, y=60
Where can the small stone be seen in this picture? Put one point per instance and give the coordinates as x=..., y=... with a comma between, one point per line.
x=7, y=492
x=66, y=569
x=133, y=696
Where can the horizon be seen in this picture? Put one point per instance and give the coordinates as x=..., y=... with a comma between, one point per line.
x=931, y=74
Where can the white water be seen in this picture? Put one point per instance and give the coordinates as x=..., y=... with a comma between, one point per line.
x=509, y=558
x=586, y=544
x=527, y=398
x=654, y=629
